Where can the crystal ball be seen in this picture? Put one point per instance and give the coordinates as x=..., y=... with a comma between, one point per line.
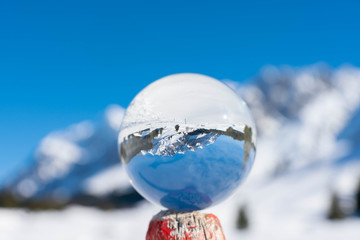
x=187, y=142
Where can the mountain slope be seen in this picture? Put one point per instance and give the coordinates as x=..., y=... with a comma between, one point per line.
x=66, y=163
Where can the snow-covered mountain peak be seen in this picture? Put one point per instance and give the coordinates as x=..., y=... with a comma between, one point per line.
x=65, y=158
x=300, y=113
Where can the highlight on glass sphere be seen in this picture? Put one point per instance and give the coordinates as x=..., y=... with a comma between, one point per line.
x=187, y=141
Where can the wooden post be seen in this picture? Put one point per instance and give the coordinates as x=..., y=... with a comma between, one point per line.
x=171, y=225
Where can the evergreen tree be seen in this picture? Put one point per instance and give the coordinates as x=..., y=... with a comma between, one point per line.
x=242, y=221
x=335, y=211
x=357, y=198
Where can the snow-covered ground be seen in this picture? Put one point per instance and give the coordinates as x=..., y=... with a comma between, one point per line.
x=292, y=206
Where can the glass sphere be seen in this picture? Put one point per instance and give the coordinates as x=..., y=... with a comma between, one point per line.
x=187, y=141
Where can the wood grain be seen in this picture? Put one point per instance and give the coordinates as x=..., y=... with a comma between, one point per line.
x=170, y=225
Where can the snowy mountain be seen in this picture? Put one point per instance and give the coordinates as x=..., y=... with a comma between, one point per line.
x=72, y=165
x=303, y=115
x=308, y=121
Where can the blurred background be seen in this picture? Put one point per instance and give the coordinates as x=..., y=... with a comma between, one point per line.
x=69, y=69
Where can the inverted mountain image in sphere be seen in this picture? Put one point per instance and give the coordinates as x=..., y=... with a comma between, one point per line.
x=187, y=142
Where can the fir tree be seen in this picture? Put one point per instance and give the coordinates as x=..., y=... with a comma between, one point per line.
x=335, y=211
x=357, y=198
x=242, y=221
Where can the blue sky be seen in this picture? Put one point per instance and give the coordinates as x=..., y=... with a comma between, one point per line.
x=62, y=62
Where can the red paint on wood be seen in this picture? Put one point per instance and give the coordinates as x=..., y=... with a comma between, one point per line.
x=169, y=225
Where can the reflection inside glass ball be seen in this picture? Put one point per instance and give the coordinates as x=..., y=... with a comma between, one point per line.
x=187, y=142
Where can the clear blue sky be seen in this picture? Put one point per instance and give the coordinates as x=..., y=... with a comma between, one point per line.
x=62, y=62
